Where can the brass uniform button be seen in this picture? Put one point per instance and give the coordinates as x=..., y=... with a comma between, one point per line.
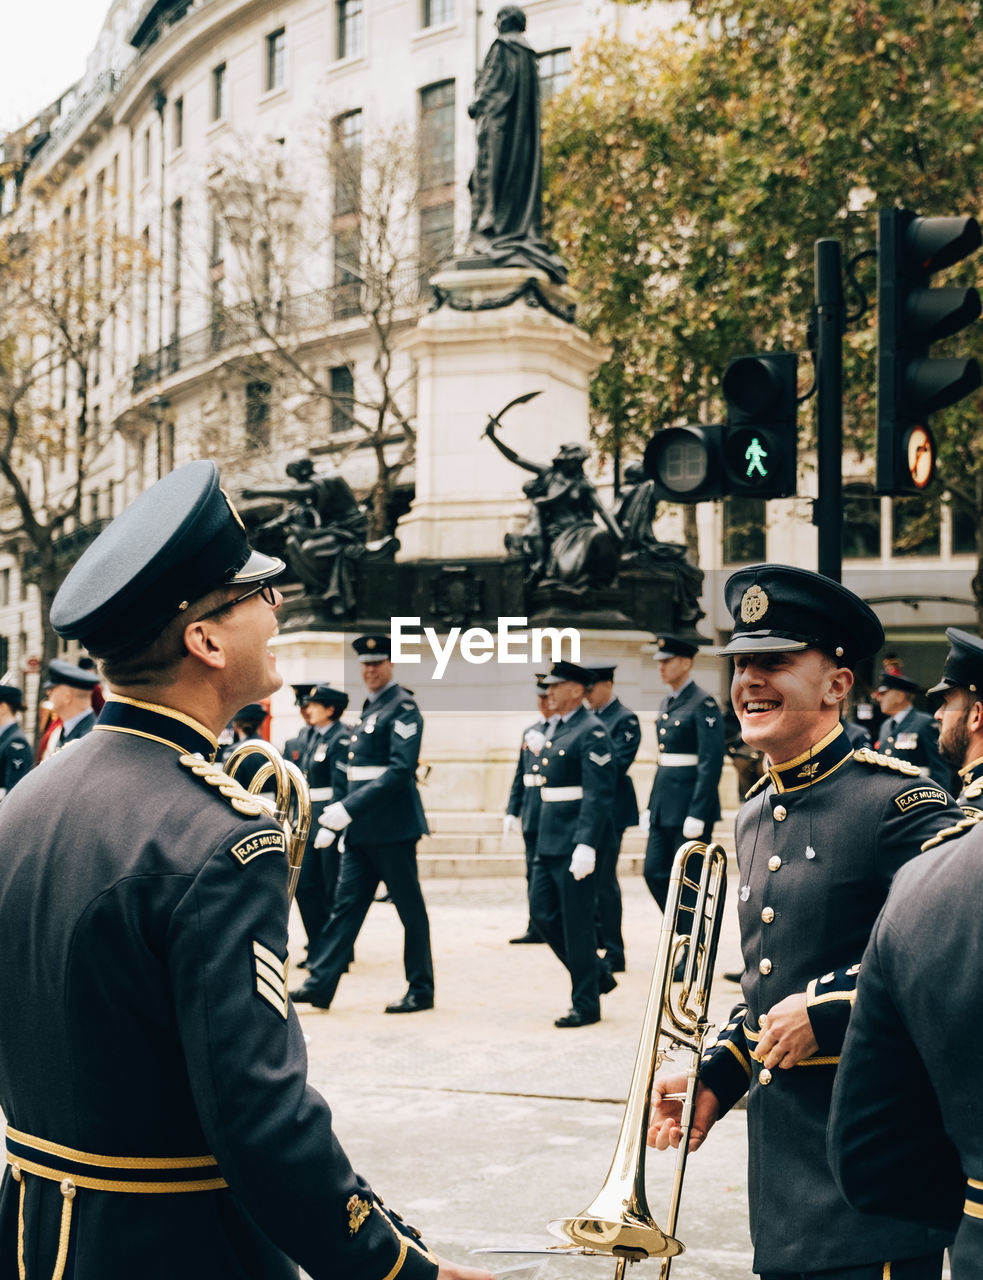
x=535, y=768
x=765, y=966
x=774, y=862
x=764, y=1076
x=780, y=813
x=768, y=914
x=545, y=759
x=561, y=752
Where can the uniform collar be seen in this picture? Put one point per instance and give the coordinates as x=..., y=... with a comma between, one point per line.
x=162, y=724
x=969, y=771
x=813, y=765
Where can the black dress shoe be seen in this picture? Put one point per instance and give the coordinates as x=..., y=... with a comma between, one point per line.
x=575, y=1019
x=410, y=1003
x=528, y=936
x=309, y=994
x=606, y=982
x=732, y=977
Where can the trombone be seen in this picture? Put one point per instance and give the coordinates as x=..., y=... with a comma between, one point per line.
x=618, y=1221
x=292, y=807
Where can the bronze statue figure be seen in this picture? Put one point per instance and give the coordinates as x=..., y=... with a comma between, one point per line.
x=506, y=184
x=562, y=543
x=321, y=531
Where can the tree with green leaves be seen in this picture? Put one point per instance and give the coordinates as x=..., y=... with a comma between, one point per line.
x=689, y=178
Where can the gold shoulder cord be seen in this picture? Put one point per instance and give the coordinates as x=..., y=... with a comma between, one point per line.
x=239, y=798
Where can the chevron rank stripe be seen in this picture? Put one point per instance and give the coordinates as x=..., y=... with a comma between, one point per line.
x=271, y=977
x=405, y=730
x=599, y=760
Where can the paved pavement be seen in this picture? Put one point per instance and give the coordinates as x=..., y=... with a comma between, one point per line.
x=479, y=1120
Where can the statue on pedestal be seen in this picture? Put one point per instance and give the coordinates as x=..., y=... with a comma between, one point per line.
x=562, y=543
x=641, y=550
x=506, y=184
x=321, y=532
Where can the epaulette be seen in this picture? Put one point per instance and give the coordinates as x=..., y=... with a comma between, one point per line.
x=243, y=801
x=974, y=789
x=866, y=755
x=951, y=833
x=753, y=791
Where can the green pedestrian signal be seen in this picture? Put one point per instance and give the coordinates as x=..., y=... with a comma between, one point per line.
x=759, y=444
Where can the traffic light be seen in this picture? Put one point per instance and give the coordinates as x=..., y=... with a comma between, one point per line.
x=685, y=463
x=911, y=385
x=759, y=442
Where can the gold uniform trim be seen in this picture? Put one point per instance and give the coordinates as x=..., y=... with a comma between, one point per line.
x=169, y=712
x=112, y=1184
x=111, y=1162
x=138, y=733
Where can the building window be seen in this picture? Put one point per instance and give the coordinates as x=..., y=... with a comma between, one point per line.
x=915, y=526
x=5, y=586
x=218, y=92
x=437, y=12
x=258, y=415
x=177, y=125
x=276, y=60
x=217, y=280
x=554, y=72
x=4, y=652
x=347, y=163
x=351, y=28
x=146, y=154
x=145, y=292
x=342, y=398
x=436, y=239
x=861, y=522
x=177, y=255
x=437, y=135
x=347, y=256
x=744, y=530
x=964, y=528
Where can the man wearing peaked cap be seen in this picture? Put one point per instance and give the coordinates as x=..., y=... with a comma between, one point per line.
x=325, y=757
x=818, y=841
x=625, y=733
x=960, y=713
x=524, y=804
x=69, y=690
x=684, y=802
x=377, y=811
x=577, y=797
x=907, y=734
x=144, y=1018
x=15, y=750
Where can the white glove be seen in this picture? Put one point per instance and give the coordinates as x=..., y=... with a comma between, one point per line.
x=535, y=740
x=692, y=829
x=335, y=816
x=582, y=862
x=645, y=821
x=511, y=826
x=324, y=838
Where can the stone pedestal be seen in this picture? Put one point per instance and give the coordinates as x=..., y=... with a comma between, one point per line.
x=471, y=363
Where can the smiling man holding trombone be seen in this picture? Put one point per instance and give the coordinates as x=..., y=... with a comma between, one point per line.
x=818, y=842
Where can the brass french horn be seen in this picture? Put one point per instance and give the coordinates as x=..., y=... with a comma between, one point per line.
x=618, y=1221
x=291, y=808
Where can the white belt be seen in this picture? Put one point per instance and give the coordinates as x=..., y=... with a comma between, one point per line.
x=365, y=772
x=676, y=759
x=533, y=780
x=562, y=793
x=322, y=793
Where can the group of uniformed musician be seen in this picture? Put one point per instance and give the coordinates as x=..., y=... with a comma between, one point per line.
x=141, y=888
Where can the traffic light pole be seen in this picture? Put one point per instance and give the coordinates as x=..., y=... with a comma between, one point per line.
x=828, y=509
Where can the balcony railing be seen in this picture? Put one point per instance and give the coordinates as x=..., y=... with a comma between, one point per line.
x=103, y=88
x=240, y=325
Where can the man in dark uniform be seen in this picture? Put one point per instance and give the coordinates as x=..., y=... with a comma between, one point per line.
x=960, y=714
x=246, y=725
x=907, y=734
x=625, y=733
x=377, y=810
x=577, y=798
x=906, y=1131
x=325, y=758
x=153, y=1073
x=818, y=842
x=15, y=750
x=522, y=813
x=294, y=748
x=69, y=690
x=684, y=802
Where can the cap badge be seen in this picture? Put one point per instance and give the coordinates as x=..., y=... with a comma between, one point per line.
x=661, y=642
x=236, y=515
x=754, y=604
x=370, y=643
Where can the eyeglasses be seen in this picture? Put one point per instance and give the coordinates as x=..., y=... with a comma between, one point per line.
x=260, y=589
